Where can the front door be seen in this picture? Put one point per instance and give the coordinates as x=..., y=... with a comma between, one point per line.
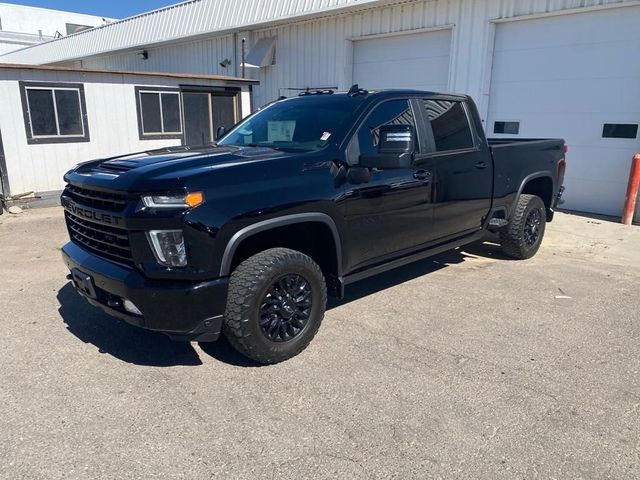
x=197, y=118
x=389, y=211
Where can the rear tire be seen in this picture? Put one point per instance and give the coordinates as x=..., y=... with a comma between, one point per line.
x=521, y=239
x=275, y=305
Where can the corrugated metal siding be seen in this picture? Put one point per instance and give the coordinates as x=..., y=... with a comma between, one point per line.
x=202, y=56
x=182, y=20
x=317, y=53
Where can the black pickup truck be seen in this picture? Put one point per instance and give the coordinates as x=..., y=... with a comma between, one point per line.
x=248, y=236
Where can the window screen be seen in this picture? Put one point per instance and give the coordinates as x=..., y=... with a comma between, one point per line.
x=450, y=125
x=54, y=113
x=395, y=112
x=159, y=114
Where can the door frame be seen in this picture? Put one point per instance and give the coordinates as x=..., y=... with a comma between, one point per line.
x=234, y=92
x=4, y=177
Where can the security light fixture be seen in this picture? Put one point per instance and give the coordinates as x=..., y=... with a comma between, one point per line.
x=225, y=63
x=143, y=54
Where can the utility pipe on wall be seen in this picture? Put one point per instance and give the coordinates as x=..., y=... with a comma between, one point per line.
x=632, y=191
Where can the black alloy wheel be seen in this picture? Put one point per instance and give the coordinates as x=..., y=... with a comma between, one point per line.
x=286, y=308
x=532, y=227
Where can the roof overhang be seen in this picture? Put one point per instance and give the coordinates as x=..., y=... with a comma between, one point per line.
x=197, y=18
x=55, y=68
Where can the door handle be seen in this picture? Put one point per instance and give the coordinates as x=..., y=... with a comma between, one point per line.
x=481, y=165
x=422, y=175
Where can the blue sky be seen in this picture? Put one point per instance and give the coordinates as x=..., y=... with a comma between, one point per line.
x=110, y=8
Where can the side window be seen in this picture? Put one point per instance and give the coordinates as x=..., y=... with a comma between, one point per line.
x=395, y=112
x=450, y=125
x=159, y=113
x=54, y=113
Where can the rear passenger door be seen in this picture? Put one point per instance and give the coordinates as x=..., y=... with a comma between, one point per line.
x=463, y=185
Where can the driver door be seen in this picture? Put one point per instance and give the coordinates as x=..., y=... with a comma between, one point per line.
x=387, y=210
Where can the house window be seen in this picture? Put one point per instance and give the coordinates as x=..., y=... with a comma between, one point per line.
x=159, y=113
x=54, y=112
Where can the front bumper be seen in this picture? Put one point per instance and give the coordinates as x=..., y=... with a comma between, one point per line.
x=184, y=310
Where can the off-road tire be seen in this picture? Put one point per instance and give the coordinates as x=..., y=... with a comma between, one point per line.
x=248, y=285
x=513, y=238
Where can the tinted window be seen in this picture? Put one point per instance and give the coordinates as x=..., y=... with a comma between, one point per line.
x=620, y=130
x=54, y=114
x=159, y=113
x=395, y=112
x=450, y=125
x=508, y=128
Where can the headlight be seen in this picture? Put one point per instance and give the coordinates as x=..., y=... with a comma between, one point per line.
x=189, y=200
x=169, y=248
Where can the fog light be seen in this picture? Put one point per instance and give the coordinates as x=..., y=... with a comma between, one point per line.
x=168, y=246
x=130, y=307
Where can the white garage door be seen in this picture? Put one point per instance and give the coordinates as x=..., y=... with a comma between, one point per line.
x=577, y=77
x=415, y=61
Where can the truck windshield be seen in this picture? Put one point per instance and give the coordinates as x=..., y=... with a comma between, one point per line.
x=301, y=124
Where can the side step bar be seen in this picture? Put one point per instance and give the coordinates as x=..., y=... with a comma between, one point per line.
x=402, y=261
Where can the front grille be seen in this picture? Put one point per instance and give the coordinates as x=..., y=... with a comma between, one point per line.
x=105, y=241
x=112, y=202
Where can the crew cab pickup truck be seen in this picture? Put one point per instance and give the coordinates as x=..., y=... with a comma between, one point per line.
x=248, y=236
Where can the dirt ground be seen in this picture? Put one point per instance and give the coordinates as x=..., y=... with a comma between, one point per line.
x=467, y=365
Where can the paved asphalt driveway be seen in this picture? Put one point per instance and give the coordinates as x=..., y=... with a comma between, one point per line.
x=465, y=366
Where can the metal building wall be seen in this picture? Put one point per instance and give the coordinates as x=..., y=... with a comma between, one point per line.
x=318, y=52
x=175, y=22
x=202, y=56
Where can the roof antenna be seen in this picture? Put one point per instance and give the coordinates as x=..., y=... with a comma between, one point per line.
x=356, y=90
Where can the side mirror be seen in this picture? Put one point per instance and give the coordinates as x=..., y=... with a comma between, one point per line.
x=220, y=131
x=396, y=146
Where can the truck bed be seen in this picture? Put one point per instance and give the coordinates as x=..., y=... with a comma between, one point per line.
x=517, y=160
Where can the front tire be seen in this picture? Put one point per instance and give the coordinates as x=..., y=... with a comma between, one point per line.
x=275, y=305
x=522, y=237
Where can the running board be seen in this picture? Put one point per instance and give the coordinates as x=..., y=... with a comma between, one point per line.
x=414, y=257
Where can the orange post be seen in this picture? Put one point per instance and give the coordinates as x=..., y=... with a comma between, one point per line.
x=632, y=191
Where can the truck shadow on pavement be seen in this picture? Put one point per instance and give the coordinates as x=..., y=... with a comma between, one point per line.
x=119, y=339
x=142, y=347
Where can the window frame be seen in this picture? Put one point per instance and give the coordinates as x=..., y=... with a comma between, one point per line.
x=429, y=131
x=353, y=136
x=139, y=90
x=33, y=139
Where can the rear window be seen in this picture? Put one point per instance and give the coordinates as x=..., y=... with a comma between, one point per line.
x=450, y=125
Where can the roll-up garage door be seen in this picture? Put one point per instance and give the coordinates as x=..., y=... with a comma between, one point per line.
x=574, y=76
x=414, y=61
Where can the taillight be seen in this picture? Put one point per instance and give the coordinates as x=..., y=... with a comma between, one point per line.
x=562, y=164
x=565, y=148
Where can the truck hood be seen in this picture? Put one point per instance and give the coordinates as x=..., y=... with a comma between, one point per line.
x=166, y=168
